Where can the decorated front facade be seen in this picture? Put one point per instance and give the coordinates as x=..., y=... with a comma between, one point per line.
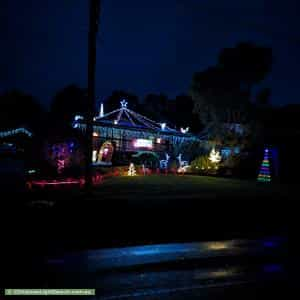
x=125, y=133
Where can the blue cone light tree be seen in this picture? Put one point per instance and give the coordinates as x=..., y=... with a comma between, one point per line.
x=264, y=172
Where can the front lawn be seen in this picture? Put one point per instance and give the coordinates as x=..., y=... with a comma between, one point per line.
x=188, y=187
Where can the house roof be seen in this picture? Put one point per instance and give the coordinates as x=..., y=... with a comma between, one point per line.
x=127, y=118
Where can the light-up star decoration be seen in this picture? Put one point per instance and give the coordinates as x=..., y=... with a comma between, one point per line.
x=123, y=103
x=214, y=156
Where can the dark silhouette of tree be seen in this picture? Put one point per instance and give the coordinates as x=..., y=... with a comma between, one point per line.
x=156, y=107
x=67, y=103
x=113, y=101
x=20, y=109
x=247, y=63
x=264, y=97
x=222, y=93
x=180, y=113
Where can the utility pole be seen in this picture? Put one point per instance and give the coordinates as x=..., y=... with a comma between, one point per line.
x=94, y=14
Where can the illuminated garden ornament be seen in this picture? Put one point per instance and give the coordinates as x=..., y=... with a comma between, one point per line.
x=94, y=156
x=214, y=156
x=101, y=114
x=183, y=164
x=164, y=162
x=163, y=126
x=184, y=130
x=60, y=165
x=264, y=172
x=131, y=170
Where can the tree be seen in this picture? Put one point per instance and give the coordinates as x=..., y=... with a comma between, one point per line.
x=113, y=101
x=19, y=109
x=181, y=114
x=247, y=63
x=222, y=93
x=131, y=170
x=263, y=97
x=264, y=172
x=156, y=107
x=216, y=95
x=67, y=103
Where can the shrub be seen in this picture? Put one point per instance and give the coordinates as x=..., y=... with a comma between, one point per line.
x=202, y=165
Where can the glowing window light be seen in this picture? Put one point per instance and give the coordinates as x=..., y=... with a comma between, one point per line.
x=158, y=140
x=95, y=134
x=143, y=143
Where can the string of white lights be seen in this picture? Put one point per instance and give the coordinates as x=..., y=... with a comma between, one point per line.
x=145, y=118
x=130, y=119
x=146, y=123
x=108, y=114
x=154, y=122
x=119, y=115
x=15, y=131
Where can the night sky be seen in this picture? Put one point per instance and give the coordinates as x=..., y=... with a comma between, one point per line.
x=143, y=46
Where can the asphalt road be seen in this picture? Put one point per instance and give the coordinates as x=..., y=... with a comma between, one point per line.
x=159, y=271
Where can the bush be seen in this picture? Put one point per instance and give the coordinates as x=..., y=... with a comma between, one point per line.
x=147, y=159
x=202, y=165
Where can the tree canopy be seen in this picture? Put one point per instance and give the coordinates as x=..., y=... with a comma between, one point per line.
x=20, y=109
x=222, y=93
x=67, y=102
x=113, y=101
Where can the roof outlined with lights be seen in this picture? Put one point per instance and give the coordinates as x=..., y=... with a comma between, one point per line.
x=127, y=118
x=125, y=121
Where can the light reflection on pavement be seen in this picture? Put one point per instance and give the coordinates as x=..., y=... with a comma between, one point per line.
x=135, y=272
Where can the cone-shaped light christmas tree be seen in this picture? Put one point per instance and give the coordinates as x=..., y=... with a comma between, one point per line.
x=264, y=172
x=131, y=170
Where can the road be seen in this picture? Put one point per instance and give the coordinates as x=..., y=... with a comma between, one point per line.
x=166, y=271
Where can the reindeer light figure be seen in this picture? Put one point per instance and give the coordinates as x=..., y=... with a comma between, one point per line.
x=164, y=162
x=183, y=164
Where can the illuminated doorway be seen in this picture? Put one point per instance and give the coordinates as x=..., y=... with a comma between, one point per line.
x=106, y=152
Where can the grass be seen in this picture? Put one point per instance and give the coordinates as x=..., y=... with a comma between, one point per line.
x=155, y=209
x=188, y=187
